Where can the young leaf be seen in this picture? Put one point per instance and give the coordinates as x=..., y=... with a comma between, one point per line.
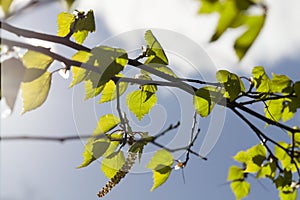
x=235, y=173
x=208, y=7
x=110, y=62
x=91, y=91
x=35, y=93
x=69, y=3
x=155, y=51
x=106, y=123
x=281, y=84
x=64, y=23
x=160, y=164
x=274, y=109
x=84, y=25
x=232, y=83
x=79, y=74
x=228, y=13
x=32, y=59
x=245, y=41
x=110, y=92
x=242, y=157
x=6, y=5
x=139, y=102
x=261, y=80
x=240, y=189
x=205, y=100
x=111, y=165
x=93, y=150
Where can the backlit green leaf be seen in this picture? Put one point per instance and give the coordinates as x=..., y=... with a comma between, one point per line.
x=93, y=150
x=274, y=109
x=235, y=173
x=205, y=100
x=139, y=103
x=106, y=123
x=228, y=13
x=160, y=164
x=110, y=92
x=32, y=59
x=232, y=83
x=281, y=84
x=79, y=74
x=64, y=23
x=154, y=50
x=242, y=157
x=110, y=62
x=209, y=6
x=244, y=42
x=6, y=5
x=261, y=80
x=288, y=193
x=70, y=3
x=84, y=25
x=91, y=91
x=267, y=170
x=111, y=165
x=35, y=93
x=240, y=189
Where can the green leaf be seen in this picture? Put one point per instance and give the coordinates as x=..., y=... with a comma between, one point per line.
x=155, y=51
x=111, y=165
x=244, y=42
x=242, y=157
x=252, y=157
x=69, y=3
x=117, y=136
x=91, y=91
x=284, y=158
x=228, y=13
x=267, y=170
x=110, y=92
x=35, y=93
x=160, y=164
x=232, y=83
x=79, y=74
x=261, y=80
x=288, y=193
x=240, y=189
x=32, y=74
x=205, y=100
x=6, y=5
x=274, y=109
x=110, y=62
x=32, y=59
x=209, y=6
x=281, y=84
x=64, y=23
x=139, y=103
x=235, y=173
x=93, y=150
x=84, y=25
x=106, y=123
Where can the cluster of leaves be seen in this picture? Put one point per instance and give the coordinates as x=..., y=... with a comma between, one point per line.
x=234, y=14
x=256, y=161
x=100, y=70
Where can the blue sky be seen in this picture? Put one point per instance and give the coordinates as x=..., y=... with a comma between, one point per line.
x=46, y=170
